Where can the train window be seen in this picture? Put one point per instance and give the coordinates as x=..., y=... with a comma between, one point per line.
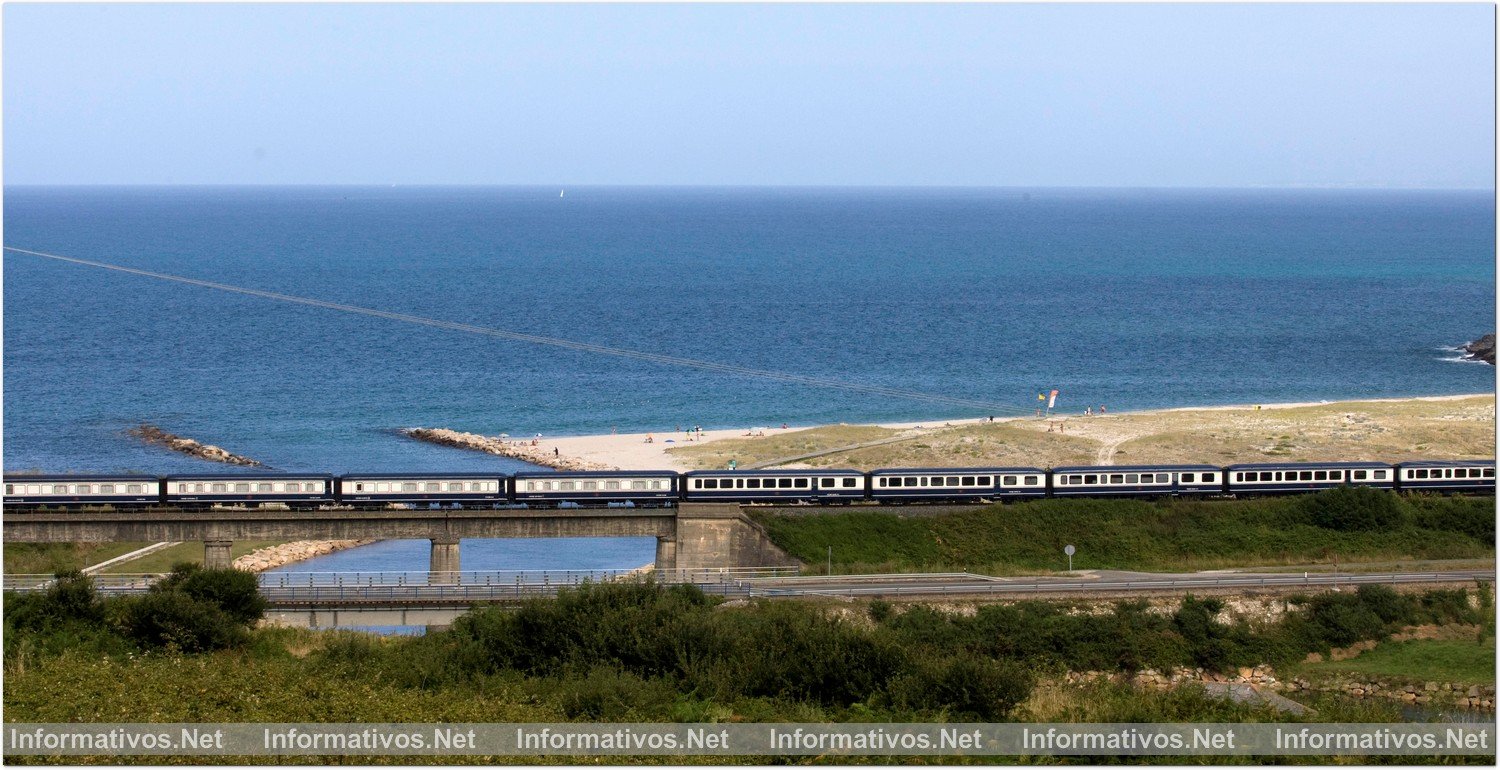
x=784, y=483
x=1489, y=473
x=880, y=482
x=1209, y=477
x=754, y=483
x=33, y=489
x=1075, y=479
x=1379, y=474
x=616, y=484
x=589, y=486
x=242, y=486
x=411, y=486
x=1117, y=478
x=800, y=483
x=1090, y=479
x=1307, y=475
x=432, y=486
x=1269, y=476
x=81, y=489
x=455, y=486
x=263, y=487
x=825, y=483
x=132, y=489
x=1320, y=475
x=1360, y=475
x=1448, y=473
x=656, y=483
x=60, y=489
x=641, y=484
x=219, y=488
x=1031, y=480
x=968, y=481
x=182, y=489
x=10, y=489
x=849, y=482
x=1134, y=478
x=1336, y=475
x=1007, y=481
x=566, y=486
x=952, y=481
x=1187, y=478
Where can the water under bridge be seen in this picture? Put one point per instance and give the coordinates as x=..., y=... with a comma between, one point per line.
x=689, y=536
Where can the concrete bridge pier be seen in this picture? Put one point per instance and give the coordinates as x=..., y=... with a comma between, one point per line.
x=443, y=568
x=216, y=554
x=666, y=554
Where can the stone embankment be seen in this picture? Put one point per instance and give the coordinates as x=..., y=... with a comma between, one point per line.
x=154, y=435
x=274, y=556
x=527, y=451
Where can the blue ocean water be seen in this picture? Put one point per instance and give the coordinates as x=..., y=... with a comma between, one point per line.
x=1135, y=299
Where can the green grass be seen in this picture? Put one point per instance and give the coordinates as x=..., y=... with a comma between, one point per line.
x=49, y=558
x=1125, y=534
x=1467, y=661
x=190, y=551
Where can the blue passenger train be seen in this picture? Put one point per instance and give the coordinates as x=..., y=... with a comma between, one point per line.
x=666, y=488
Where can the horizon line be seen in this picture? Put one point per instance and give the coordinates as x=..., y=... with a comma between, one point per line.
x=813, y=186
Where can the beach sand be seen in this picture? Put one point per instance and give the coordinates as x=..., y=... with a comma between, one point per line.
x=1373, y=429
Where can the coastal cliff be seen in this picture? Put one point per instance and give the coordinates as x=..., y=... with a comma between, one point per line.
x=1482, y=349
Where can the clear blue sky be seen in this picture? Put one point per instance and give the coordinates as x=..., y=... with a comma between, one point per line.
x=1027, y=95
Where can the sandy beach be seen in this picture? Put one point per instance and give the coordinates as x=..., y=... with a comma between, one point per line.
x=1436, y=426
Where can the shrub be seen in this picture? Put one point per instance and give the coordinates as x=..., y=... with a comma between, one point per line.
x=70, y=599
x=1354, y=509
x=236, y=592
x=965, y=686
x=176, y=621
x=609, y=695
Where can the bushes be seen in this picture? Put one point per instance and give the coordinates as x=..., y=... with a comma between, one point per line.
x=191, y=610
x=175, y=620
x=964, y=686
x=1354, y=509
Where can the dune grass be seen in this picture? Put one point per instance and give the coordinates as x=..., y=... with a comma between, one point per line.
x=1126, y=534
x=774, y=446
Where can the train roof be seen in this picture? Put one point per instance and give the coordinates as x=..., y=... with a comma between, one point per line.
x=1448, y=463
x=79, y=477
x=769, y=472
x=1333, y=464
x=251, y=476
x=1133, y=468
x=589, y=474
x=987, y=469
x=477, y=475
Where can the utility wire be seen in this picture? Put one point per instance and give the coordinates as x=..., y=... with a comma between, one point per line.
x=657, y=358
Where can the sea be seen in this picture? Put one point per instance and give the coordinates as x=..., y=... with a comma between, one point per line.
x=1134, y=299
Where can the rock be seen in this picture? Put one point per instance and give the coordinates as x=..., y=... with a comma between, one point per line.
x=1473, y=691
x=1431, y=687
x=154, y=435
x=1246, y=673
x=1482, y=349
x=1313, y=657
x=517, y=450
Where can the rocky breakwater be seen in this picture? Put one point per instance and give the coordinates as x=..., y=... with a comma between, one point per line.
x=154, y=435
x=274, y=556
x=1482, y=349
x=526, y=451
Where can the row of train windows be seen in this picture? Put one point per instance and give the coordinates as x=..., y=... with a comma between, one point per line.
x=1450, y=473
x=1308, y=476
x=1124, y=478
x=944, y=481
x=425, y=486
x=590, y=486
x=242, y=487
x=76, y=489
x=802, y=483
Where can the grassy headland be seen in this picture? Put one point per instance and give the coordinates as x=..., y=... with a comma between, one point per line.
x=1166, y=535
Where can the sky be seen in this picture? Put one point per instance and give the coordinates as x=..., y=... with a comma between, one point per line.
x=1276, y=95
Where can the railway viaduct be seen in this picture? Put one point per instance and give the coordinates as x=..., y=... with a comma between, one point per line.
x=692, y=536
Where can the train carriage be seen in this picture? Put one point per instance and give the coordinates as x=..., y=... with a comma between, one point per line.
x=293, y=490
x=956, y=484
x=79, y=491
x=1282, y=478
x=430, y=489
x=1447, y=476
x=596, y=488
x=1136, y=480
x=812, y=486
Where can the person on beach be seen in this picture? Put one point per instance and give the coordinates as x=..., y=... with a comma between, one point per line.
x=732, y=463
x=1101, y=409
x=556, y=453
x=648, y=438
